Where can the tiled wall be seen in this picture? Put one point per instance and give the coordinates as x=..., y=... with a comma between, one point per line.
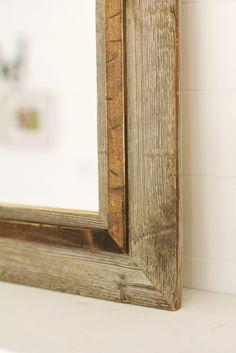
x=209, y=132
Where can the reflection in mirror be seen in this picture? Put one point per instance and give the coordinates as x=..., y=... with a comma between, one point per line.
x=48, y=103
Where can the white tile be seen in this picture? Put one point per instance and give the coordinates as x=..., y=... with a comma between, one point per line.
x=209, y=274
x=209, y=45
x=209, y=133
x=210, y=218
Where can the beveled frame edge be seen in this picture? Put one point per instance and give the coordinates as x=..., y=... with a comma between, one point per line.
x=106, y=229
x=151, y=274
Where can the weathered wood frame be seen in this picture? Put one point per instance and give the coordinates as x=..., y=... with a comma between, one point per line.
x=132, y=257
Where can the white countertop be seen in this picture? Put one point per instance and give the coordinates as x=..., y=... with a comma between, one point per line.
x=39, y=321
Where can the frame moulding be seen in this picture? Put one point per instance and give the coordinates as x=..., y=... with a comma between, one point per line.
x=143, y=168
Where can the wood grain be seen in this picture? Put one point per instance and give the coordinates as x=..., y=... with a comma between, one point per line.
x=51, y=216
x=101, y=111
x=101, y=275
x=154, y=130
x=116, y=120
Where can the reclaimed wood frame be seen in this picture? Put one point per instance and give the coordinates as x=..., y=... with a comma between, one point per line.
x=131, y=250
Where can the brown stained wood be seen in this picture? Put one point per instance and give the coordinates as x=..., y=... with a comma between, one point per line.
x=93, y=239
x=154, y=129
x=116, y=120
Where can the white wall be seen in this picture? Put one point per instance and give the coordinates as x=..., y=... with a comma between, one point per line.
x=209, y=133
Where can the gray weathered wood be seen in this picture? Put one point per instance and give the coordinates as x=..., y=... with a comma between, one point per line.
x=102, y=116
x=152, y=30
x=51, y=216
x=102, y=275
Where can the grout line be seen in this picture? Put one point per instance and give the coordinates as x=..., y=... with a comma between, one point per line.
x=186, y=175
x=211, y=90
x=208, y=259
x=207, y=2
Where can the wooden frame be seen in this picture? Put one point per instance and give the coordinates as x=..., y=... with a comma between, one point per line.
x=133, y=254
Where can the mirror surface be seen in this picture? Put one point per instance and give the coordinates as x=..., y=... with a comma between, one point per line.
x=48, y=103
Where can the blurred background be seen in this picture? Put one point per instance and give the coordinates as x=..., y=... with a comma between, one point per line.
x=48, y=103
